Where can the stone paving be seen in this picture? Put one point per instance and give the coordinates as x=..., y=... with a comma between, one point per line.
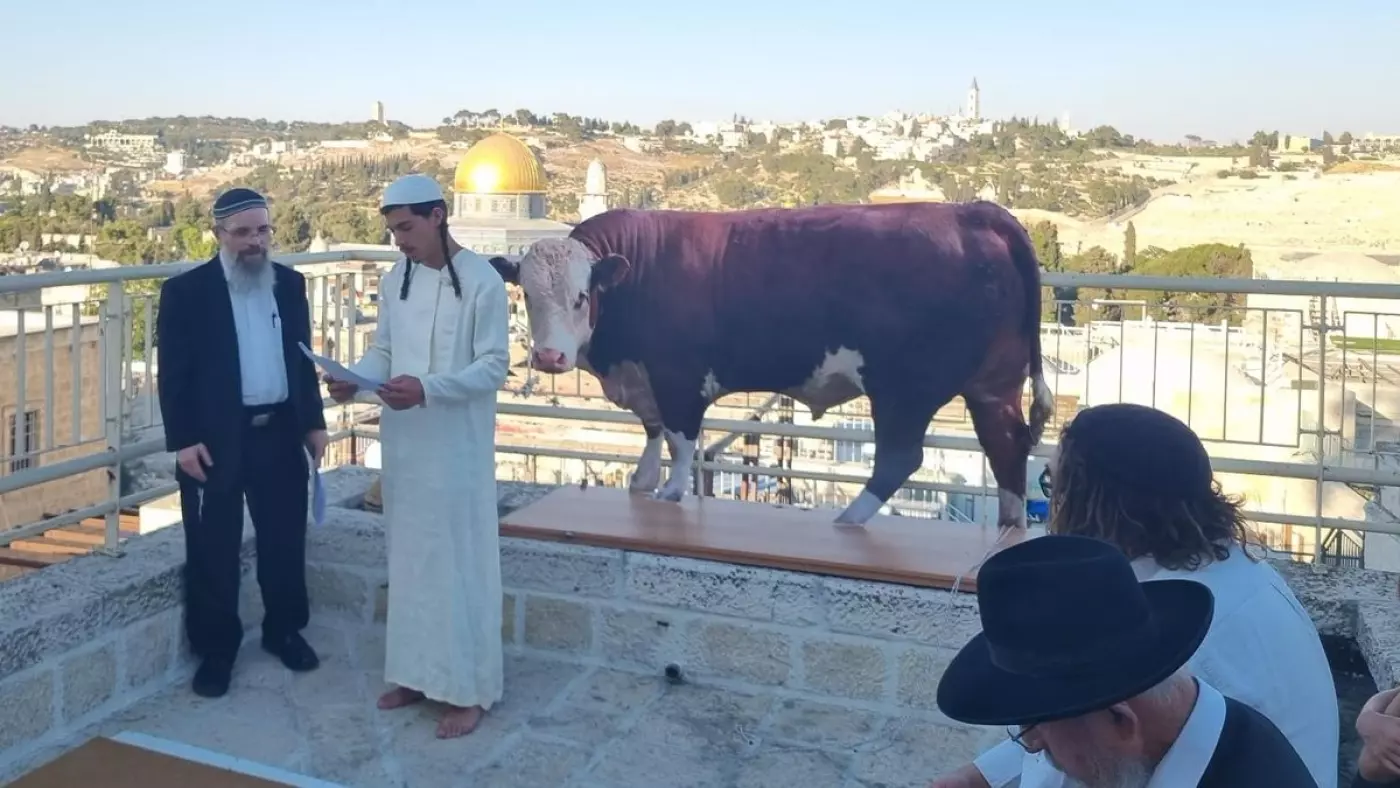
x=561, y=725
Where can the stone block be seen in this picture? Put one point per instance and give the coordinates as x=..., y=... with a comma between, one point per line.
x=919, y=672
x=560, y=569
x=28, y=708
x=346, y=486
x=558, y=624
x=842, y=669
x=637, y=637
x=830, y=726
x=919, y=751
x=508, y=619
x=89, y=680
x=338, y=591
x=533, y=763
x=724, y=589
x=147, y=650
x=732, y=650
x=892, y=612
x=43, y=614
x=1330, y=593
x=350, y=537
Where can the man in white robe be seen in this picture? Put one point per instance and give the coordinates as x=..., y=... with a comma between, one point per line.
x=441, y=347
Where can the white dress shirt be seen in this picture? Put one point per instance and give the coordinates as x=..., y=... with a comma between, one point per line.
x=259, y=327
x=1263, y=650
x=1187, y=759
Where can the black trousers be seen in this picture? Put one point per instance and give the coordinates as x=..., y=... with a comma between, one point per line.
x=273, y=475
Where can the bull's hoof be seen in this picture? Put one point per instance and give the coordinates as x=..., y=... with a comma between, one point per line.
x=669, y=493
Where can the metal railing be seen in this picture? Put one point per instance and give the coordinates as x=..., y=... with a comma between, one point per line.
x=1301, y=387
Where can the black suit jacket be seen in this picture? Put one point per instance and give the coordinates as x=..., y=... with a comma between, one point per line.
x=1252, y=753
x=199, y=378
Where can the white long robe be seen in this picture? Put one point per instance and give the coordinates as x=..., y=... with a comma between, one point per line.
x=439, y=479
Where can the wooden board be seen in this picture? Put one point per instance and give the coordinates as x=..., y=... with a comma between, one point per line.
x=111, y=764
x=919, y=552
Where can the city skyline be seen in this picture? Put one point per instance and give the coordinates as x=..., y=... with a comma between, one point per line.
x=1217, y=72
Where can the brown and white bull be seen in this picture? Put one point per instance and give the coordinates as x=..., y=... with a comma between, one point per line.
x=909, y=304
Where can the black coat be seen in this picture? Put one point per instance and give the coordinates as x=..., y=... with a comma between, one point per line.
x=199, y=378
x=1252, y=753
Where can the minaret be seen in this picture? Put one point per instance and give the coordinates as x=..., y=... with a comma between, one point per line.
x=974, y=102
x=594, y=199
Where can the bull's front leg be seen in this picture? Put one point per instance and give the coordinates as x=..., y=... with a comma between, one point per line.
x=682, y=465
x=647, y=477
x=682, y=412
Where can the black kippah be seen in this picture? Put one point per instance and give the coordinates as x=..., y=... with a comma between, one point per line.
x=235, y=201
x=1141, y=448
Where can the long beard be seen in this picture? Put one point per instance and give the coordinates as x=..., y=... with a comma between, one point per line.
x=248, y=273
x=1112, y=773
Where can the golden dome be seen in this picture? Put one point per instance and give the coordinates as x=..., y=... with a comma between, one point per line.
x=499, y=164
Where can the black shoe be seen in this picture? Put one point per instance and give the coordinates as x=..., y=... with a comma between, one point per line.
x=294, y=652
x=212, y=678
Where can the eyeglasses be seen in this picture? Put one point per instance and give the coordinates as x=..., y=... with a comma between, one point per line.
x=1018, y=733
x=243, y=233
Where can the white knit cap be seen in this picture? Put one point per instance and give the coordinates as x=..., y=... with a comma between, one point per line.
x=411, y=190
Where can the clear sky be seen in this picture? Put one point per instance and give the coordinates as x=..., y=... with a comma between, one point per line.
x=1221, y=69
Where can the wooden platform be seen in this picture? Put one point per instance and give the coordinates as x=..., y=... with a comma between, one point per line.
x=931, y=553
x=108, y=763
x=57, y=545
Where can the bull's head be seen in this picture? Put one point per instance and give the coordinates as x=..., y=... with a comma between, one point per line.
x=563, y=283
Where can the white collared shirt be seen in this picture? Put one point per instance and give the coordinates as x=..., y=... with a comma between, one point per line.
x=1263, y=650
x=259, y=327
x=1186, y=760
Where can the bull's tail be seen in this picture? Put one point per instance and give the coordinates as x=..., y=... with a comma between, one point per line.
x=1023, y=255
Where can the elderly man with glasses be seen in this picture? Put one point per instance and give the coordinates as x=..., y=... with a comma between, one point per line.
x=242, y=410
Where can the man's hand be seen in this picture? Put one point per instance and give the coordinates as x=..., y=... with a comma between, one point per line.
x=316, y=441
x=1379, y=728
x=340, y=390
x=965, y=777
x=403, y=392
x=193, y=460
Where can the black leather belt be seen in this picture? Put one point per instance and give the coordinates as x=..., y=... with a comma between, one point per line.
x=261, y=415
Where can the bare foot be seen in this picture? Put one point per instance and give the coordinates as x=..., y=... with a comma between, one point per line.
x=459, y=722
x=399, y=697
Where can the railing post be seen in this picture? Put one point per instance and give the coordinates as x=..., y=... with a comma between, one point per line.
x=1322, y=339
x=114, y=338
x=697, y=471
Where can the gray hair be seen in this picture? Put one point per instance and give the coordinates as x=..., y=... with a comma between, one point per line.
x=1171, y=690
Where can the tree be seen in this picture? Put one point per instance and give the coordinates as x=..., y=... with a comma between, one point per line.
x=1345, y=139
x=1211, y=261
x=293, y=227
x=1095, y=260
x=1130, y=247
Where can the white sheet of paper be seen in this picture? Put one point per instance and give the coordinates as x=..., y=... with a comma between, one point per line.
x=338, y=371
x=318, y=494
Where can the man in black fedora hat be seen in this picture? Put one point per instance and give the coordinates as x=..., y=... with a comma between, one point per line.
x=1086, y=664
x=242, y=409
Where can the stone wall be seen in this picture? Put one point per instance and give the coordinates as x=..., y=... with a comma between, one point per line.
x=875, y=644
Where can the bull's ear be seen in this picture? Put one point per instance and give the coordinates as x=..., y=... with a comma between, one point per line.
x=508, y=270
x=609, y=272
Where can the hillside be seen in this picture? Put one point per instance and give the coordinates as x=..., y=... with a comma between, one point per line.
x=1089, y=187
